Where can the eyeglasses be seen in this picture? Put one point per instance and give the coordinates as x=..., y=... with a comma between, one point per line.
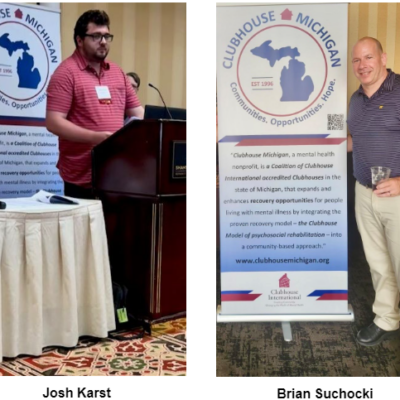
x=98, y=37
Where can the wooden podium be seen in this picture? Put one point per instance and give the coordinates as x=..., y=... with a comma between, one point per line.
x=139, y=173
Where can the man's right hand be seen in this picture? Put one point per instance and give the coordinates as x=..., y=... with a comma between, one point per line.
x=57, y=123
x=101, y=136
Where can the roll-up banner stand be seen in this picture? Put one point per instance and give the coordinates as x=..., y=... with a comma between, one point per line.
x=281, y=87
x=29, y=53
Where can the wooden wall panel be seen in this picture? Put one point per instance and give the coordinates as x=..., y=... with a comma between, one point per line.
x=150, y=39
x=379, y=20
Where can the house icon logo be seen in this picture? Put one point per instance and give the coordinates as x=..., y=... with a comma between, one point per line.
x=286, y=15
x=284, y=281
x=18, y=14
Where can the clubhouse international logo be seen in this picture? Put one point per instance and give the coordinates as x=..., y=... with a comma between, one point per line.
x=283, y=295
x=282, y=70
x=26, y=54
x=284, y=281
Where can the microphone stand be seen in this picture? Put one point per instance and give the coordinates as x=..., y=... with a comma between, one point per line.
x=152, y=86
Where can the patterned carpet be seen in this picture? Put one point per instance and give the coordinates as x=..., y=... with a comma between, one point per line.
x=317, y=349
x=163, y=353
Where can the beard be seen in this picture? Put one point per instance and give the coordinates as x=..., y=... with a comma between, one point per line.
x=101, y=53
x=96, y=55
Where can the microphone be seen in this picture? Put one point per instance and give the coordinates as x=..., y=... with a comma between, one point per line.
x=152, y=86
x=2, y=205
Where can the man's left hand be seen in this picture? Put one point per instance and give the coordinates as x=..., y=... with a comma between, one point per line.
x=388, y=188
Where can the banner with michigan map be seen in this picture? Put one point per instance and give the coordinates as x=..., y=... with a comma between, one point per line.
x=281, y=87
x=29, y=54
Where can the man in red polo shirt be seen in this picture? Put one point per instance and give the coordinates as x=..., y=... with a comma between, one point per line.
x=87, y=99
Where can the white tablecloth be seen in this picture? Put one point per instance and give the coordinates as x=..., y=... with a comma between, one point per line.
x=55, y=282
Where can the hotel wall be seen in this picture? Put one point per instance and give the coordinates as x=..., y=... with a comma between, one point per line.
x=150, y=39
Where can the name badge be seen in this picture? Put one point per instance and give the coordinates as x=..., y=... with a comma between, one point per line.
x=103, y=93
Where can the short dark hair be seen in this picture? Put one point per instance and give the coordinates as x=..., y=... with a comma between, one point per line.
x=98, y=17
x=135, y=76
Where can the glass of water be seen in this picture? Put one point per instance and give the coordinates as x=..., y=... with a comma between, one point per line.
x=379, y=174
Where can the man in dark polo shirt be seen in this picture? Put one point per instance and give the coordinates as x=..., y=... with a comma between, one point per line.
x=374, y=125
x=87, y=99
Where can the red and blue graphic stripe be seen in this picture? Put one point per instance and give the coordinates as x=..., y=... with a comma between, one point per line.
x=21, y=121
x=282, y=140
x=239, y=138
x=239, y=295
x=329, y=294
